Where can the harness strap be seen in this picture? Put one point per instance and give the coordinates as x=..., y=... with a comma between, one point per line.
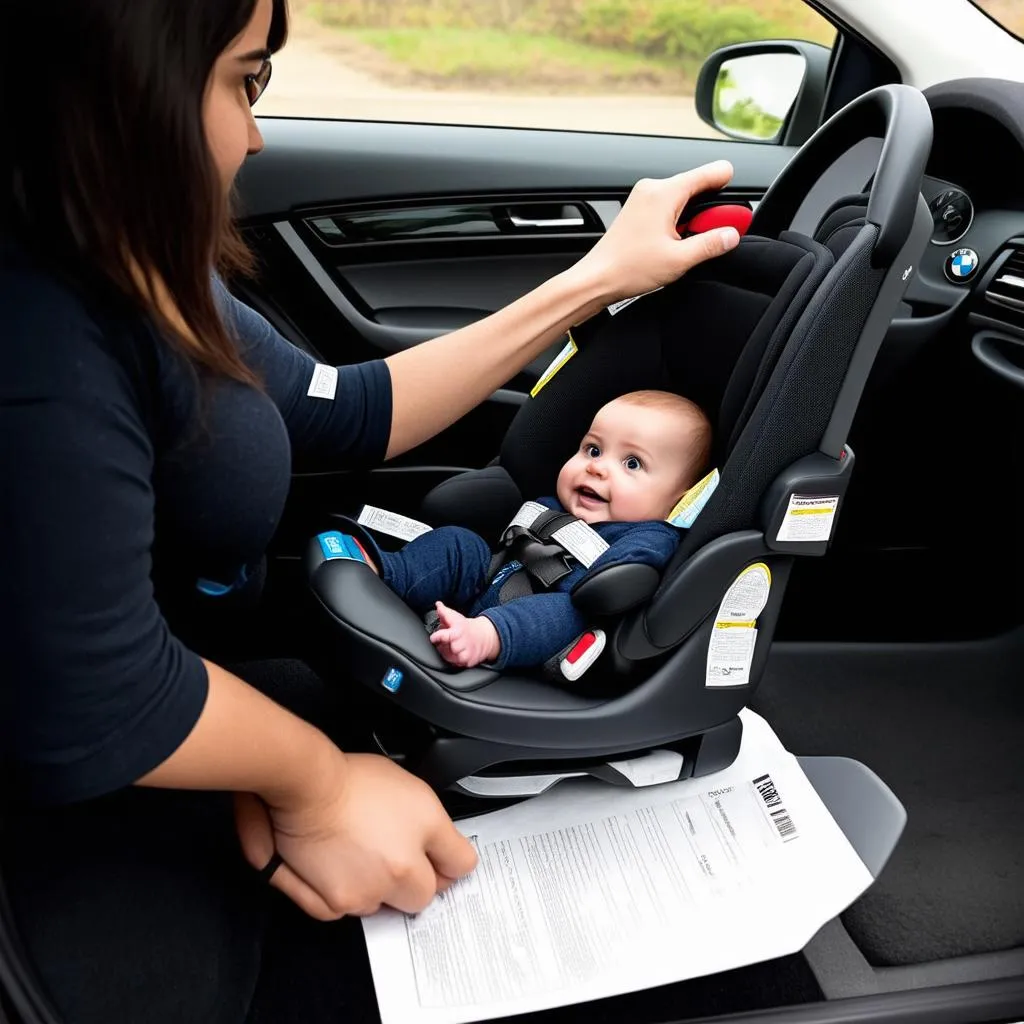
x=546, y=542
x=539, y=547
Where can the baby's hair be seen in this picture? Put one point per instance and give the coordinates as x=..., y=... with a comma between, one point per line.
x=700, y=438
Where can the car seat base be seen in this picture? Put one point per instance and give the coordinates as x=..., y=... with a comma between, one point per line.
x=487, y=770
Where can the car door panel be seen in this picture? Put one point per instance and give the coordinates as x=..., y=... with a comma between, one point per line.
x=418, y=294
x=307, y=163
x=374, y=237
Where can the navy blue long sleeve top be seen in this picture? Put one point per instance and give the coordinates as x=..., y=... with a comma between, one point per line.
x=535, y=628
x=124, y=480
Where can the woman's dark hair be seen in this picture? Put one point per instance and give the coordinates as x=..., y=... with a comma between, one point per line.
x=106, y=167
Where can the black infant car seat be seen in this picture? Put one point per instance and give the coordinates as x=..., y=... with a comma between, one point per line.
x=775, y=341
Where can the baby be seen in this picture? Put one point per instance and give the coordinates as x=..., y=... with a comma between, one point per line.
x=643, y=451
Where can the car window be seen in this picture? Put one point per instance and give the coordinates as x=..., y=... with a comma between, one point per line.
x=593, y=65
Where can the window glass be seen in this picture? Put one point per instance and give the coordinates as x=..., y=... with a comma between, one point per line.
x=592, y=65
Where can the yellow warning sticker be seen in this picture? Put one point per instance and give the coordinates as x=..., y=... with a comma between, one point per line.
x=690, y=504
x=555, y=365
x=809, y=518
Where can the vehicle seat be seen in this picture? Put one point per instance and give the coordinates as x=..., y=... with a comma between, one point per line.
x=767, y=339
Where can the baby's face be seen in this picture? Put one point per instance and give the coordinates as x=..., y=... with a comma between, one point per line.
x=632, y=465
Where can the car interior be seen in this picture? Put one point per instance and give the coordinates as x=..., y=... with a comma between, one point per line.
x=783, y=317
x=898, y=644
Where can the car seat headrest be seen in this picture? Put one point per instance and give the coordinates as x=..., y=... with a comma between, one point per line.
x=841, y=221
x=705, y=336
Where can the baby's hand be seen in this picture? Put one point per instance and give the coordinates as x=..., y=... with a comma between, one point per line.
x=465, y=642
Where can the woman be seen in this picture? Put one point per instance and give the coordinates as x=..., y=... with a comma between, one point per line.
x=148, y=420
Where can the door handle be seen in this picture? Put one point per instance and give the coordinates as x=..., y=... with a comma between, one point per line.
x=546, y=222
x=549, y=216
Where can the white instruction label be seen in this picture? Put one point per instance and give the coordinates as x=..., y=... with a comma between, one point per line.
x=621, y=304
x=391, y=523
x=582, y=542
x=617, y=307
x=809, y=517
x=324, y=383
x=527, y=515
x=730, y=654
x=734, y=637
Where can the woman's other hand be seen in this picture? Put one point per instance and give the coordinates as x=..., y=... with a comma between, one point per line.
x=642, y=250
x=368, y=834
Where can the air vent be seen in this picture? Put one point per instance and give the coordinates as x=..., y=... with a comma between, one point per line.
x=1007, y=289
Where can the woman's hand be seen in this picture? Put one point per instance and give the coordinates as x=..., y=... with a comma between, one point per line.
x=370, y=834
x=642, y=249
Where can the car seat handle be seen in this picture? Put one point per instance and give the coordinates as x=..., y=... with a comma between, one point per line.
x=900, y=115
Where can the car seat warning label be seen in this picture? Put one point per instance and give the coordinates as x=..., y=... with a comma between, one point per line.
x=809, y=518
x=391, y=523
x=734, y=636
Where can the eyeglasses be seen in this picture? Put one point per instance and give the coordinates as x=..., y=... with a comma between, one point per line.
x=255, y=84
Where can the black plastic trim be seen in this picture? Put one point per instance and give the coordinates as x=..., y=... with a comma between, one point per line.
x=816, y=475
x=985, y=346
x=616, y=589
x=308, y=163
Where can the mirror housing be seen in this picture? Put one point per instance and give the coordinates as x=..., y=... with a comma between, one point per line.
x=770, y=91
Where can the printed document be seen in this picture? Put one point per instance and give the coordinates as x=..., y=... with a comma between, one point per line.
x=592, y=890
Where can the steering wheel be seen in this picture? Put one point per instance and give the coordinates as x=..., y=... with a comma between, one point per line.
x=900, y=115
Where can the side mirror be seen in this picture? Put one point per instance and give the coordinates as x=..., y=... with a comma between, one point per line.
x=768, y=91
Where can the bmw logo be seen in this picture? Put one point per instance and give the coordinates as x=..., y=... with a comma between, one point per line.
x=961, y=265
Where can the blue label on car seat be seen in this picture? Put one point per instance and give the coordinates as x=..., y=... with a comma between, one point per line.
x=332, y=544
x=392, y=680
x=340, y=545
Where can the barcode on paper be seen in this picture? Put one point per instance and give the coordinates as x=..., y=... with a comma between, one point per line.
x=778, y=814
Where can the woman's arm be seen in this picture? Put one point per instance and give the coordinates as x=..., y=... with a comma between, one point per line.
x=101, y=694
x=435, y=383
x=245, y=741
x=354, y=831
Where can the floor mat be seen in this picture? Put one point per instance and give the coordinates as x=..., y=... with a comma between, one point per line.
x=944, y=727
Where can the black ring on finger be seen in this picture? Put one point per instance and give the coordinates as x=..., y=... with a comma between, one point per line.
x=267, y=873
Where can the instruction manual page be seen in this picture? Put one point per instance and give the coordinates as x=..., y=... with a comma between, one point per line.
x=592, y=890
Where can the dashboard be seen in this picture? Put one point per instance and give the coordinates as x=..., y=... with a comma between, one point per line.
x=974, y=187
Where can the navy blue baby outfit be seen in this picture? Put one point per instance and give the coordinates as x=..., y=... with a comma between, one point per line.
x=451, y=564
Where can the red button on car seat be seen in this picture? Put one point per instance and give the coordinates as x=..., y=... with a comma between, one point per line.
x=727, y=215
x=583, y=645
